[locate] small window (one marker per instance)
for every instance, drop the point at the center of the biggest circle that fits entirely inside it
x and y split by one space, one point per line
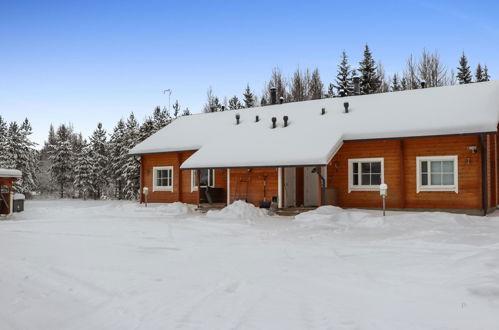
163 178
206 176
437 173
365 174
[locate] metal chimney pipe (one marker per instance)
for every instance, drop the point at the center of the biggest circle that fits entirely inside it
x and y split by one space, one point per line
273 95
323 111
346 105
423 84
237 119
257 119
285 118
274 120
356 85
281 100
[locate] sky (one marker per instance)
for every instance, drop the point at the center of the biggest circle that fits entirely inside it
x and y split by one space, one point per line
85 62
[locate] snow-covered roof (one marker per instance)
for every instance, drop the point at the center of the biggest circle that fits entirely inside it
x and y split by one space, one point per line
312 138
8 173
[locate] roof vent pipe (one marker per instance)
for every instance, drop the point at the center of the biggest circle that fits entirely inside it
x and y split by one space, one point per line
285 118
257 119
281 100
273 95
274 120
423 84
323 111
356 85
223 107
237 119
346 105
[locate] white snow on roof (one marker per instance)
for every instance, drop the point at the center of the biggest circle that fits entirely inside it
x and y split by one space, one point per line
7 173
312 138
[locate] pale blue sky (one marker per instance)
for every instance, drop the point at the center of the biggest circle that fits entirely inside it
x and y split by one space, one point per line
89 61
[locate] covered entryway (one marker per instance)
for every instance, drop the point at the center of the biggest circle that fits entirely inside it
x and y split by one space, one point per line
310 187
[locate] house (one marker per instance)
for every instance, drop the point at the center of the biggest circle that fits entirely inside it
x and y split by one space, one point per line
435 148
7 177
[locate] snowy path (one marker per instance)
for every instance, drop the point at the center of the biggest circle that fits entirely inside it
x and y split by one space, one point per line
117 265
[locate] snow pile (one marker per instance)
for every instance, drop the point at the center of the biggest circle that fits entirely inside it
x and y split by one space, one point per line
19 197
238 210
337 217
177 208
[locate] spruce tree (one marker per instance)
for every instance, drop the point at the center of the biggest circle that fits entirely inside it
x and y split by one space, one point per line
83 171
299 87
486 76
61 159
463 71
344 83
234 103
131 170
176 109
119 155
369 80
100 160
4 143
395 86
479 73
249 97
161 118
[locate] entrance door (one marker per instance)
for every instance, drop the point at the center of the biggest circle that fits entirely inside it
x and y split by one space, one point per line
310 187
289 187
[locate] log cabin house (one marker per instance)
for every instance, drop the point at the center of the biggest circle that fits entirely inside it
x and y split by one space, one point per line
7 177
435 148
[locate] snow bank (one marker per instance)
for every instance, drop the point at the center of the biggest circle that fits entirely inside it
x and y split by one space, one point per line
335 216
177 208
238 210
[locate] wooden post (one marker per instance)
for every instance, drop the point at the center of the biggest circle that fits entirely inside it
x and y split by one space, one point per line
198 174
483 144
279 187
401 173
228 186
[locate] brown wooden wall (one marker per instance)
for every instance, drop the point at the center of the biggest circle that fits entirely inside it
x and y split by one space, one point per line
241 178
6 182
400 173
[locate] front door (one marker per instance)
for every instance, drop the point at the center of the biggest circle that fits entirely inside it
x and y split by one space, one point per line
310 187
289 187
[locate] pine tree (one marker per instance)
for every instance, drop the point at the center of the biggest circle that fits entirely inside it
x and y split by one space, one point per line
186 112
369 80
212 102
463 71
234 103
344 83
330 90
263 101
249 97
486 76
83 171
99 147
27 160
479 73
395 87
146 129
316 88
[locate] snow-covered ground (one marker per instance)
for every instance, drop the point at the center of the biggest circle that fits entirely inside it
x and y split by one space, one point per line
118 265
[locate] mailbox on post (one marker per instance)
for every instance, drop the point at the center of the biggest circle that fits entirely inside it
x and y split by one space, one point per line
383 191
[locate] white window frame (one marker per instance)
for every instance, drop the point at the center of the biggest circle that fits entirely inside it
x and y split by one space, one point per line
194 174
420 187
154 177
359 187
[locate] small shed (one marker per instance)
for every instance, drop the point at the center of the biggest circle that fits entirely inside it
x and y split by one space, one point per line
7 177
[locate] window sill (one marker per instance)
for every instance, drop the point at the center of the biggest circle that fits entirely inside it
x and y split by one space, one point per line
162 189
363 188
441 189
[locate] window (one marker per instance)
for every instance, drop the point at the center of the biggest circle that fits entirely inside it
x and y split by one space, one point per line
206 176
163 178
437 173
365 174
